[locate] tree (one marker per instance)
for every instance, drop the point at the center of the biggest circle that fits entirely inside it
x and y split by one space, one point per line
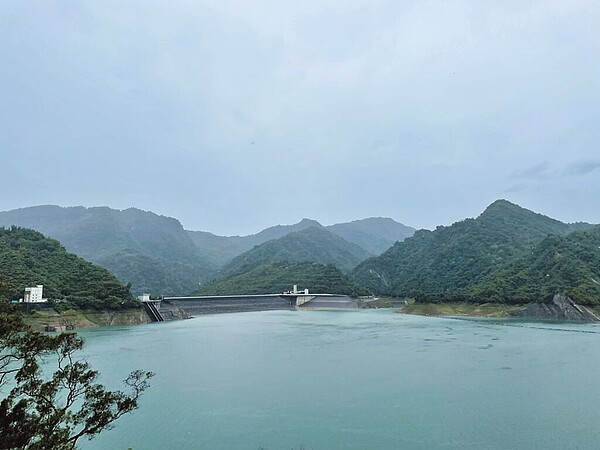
43 410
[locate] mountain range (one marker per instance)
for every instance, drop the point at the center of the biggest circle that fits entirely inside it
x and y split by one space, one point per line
506 254
156 254
374 235
153 253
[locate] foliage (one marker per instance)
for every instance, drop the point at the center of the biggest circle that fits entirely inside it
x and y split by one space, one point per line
441 265
41 409
153 253
274 277
27 258
559 264
311 244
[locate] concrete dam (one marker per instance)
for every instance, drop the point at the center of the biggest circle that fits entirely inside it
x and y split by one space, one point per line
172 308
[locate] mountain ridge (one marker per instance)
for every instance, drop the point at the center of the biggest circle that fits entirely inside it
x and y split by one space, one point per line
312 244
155 253
373 234
435 265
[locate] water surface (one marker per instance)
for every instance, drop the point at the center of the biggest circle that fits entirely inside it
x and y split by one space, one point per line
353 380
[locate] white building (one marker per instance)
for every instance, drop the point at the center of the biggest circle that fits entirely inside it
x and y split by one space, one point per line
34 294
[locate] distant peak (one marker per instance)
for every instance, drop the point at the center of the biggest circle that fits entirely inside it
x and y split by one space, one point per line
502 203
504 208
310 223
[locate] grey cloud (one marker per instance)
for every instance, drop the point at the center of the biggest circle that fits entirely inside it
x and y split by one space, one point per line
417 110
539 171
581 168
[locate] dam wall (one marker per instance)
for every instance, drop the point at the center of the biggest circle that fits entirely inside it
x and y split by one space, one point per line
176 308
179 308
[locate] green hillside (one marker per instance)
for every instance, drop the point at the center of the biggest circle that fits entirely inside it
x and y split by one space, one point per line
27 258
559 264
311 244
375 234
222 249
438 265
153 253
274 277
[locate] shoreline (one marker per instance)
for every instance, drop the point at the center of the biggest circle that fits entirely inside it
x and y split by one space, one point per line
53 321
72 320
491 310
560 308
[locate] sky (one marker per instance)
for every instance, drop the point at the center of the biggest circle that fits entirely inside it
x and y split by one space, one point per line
234 115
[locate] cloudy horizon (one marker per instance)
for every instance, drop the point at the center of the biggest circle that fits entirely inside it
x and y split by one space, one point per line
233 117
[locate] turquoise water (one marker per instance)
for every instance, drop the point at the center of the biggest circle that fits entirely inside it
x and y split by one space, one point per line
353 380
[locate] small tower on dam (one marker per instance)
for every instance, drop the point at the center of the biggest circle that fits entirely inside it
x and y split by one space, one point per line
322 301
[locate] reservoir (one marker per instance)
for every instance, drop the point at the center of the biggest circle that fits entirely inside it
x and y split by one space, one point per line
362 379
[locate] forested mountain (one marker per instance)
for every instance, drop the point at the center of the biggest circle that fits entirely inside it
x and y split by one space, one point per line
222 249
375 234
27 258
438 265
314 244
279 276
557 265
153 253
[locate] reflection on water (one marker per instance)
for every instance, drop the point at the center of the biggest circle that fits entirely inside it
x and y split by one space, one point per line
354 380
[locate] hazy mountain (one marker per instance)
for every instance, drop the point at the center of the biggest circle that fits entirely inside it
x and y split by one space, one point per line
436 265
27 258
279 231
222 249
557 265
312 244
153 253
375 234
279 276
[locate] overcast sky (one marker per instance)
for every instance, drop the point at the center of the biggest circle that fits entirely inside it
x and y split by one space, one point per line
234 115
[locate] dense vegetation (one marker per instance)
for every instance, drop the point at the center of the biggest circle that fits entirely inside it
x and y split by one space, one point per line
275 277
440 265
311 244
559 264
153 253
28 258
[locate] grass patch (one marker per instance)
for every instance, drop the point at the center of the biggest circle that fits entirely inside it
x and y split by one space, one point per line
461 309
